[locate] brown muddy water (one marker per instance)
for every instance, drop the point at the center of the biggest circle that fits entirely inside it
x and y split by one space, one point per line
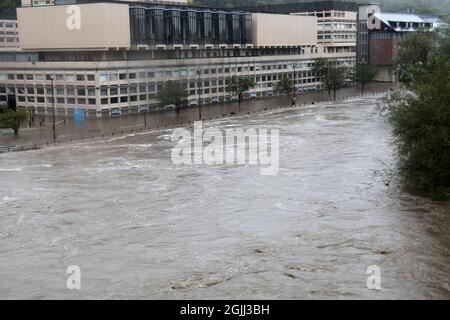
142 227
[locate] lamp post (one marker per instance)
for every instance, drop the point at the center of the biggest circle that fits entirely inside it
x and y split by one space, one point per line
145 119
295 81
199 88
53 109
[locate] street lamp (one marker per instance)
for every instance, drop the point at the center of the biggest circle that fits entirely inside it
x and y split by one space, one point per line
295 81
53 112
199 88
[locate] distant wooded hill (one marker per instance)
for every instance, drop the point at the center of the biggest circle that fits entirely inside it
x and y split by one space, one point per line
440 7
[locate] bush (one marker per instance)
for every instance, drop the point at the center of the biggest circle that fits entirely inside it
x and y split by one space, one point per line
420 116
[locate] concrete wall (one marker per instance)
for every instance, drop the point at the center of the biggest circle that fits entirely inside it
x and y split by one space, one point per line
275 30
103 25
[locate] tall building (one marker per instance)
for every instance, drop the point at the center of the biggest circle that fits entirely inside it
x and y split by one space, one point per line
9 35
364 12
385 38
336 22
112 58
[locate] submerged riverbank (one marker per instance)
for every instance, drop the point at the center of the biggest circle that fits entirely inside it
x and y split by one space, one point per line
40 134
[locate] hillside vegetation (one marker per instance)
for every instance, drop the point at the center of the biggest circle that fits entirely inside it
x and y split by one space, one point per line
440 7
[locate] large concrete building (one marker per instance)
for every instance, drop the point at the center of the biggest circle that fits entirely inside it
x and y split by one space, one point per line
109 58
9 35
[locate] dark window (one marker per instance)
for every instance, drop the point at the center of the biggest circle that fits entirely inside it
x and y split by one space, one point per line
189 24
155 26
234 30
137 25
220 28
205 24
246 28
172 21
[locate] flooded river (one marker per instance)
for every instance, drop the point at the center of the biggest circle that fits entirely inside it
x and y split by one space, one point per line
139 226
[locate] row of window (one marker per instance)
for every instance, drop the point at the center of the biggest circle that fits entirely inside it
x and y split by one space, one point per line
338 26
9 40
385 35
142 88
183 73
47 77
173 26
162 73
326 14
8 24
8 33
65 101
126 99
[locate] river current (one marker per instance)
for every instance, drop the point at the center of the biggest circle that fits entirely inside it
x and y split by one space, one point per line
140 226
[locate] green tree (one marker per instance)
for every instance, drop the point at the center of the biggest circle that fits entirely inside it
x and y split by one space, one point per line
335 78
420 6
284 85
413 57
8 9
420 115
320 68
12 120
239 85
364 74
172 93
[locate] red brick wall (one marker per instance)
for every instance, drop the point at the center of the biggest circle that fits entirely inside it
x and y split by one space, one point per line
383 51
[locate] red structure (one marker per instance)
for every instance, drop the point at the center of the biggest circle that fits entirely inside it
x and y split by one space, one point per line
383 49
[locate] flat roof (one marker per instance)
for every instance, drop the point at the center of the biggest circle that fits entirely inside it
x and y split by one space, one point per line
398 17
142 4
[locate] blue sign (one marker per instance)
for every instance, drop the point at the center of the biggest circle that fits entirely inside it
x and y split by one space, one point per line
78 116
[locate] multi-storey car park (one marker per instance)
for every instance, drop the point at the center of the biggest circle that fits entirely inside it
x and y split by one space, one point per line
124 52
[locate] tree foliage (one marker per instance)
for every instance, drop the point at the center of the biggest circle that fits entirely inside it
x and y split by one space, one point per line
320 68
12 120
413 58
420 6
172 93
335 78
240 85
420 115
285 85
442 7
364 74
8 9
